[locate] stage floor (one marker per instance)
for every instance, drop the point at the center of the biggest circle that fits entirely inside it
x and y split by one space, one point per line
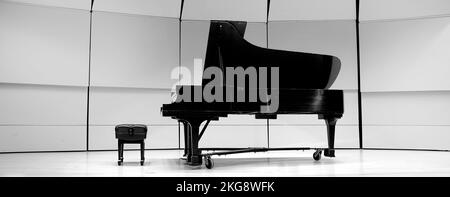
279 163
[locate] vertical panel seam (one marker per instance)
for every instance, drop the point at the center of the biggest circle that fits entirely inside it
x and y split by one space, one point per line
359 76
267 46
179 64
89 77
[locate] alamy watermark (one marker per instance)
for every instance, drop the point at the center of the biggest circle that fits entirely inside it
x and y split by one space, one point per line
213 91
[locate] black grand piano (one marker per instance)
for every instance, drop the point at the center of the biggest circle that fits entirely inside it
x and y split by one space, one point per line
303 80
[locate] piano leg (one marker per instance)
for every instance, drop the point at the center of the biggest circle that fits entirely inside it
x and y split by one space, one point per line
331 127
186 138
189 141
195 157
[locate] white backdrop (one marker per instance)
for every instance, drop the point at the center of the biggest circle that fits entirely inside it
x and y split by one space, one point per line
135 44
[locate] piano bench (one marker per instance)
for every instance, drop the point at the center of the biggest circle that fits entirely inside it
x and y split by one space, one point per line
130 134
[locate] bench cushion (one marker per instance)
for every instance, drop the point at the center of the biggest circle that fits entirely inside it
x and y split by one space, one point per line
131 132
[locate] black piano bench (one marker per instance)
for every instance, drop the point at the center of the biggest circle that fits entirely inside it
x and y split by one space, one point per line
131 134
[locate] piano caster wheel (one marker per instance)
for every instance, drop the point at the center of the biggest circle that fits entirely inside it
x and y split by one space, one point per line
142 162
317 155
209 163
119 162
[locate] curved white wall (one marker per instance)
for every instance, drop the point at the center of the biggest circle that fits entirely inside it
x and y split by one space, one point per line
135 46
44 64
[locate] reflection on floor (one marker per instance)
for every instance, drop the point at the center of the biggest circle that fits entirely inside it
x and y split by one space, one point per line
285 163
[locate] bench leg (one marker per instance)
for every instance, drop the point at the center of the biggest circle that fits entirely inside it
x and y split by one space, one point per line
142 152
120 152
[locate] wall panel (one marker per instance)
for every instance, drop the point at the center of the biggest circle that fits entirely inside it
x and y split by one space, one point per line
402 9
42 105
409 55
249 10
43 45
133 51
42 138
282 10
164 8
103 138
112 106
406 108
404 69
76 4
407 137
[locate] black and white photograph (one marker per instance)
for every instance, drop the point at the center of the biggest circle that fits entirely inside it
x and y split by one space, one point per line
235 94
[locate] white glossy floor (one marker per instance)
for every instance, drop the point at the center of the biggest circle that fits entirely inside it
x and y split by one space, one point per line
289 163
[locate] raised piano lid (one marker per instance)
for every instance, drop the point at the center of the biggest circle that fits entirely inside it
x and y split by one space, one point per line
228 48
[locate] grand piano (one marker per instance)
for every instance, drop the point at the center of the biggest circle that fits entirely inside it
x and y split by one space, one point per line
303 81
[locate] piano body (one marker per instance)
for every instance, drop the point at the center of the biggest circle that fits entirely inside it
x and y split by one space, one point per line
304 79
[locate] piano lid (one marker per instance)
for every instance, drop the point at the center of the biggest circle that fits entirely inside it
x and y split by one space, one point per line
300 70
